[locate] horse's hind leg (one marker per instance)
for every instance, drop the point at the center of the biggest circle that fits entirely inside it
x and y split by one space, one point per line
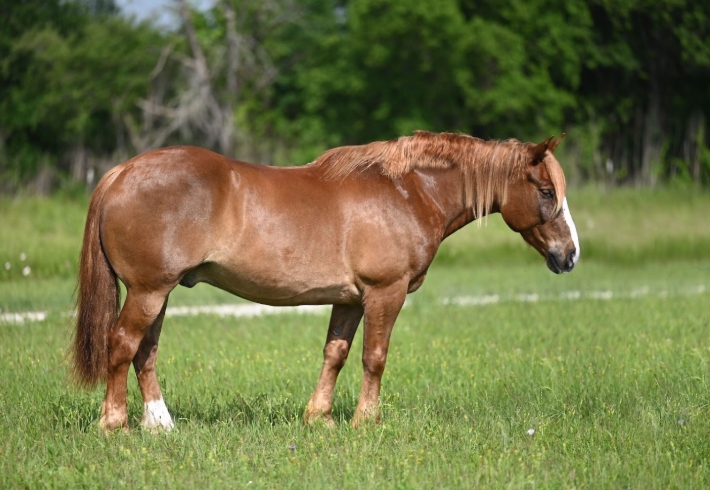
139 312
155 413
344 321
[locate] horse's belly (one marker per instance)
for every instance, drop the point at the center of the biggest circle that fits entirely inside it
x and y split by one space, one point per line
276 288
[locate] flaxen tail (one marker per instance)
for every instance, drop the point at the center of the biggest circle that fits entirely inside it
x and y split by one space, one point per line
98 297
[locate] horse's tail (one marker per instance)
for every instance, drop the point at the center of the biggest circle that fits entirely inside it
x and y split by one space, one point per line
98 297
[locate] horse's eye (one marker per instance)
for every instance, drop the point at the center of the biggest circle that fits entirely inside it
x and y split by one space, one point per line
547 193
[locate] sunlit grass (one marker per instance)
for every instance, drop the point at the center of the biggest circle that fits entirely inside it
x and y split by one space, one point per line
41 233
616 392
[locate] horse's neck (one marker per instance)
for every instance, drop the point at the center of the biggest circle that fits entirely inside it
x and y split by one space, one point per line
445 190
445 187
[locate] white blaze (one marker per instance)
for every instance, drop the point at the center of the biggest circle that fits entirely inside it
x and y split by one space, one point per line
572 229
156 415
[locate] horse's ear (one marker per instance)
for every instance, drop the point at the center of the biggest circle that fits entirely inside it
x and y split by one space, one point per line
538 151
554 144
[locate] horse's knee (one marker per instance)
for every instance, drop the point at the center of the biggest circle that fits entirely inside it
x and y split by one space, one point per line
336 353
373 361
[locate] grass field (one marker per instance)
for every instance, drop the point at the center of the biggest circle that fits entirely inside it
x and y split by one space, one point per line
609 367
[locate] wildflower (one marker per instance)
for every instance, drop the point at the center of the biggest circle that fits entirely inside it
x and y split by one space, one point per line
23 256
292 447
7 266
26 270
531 432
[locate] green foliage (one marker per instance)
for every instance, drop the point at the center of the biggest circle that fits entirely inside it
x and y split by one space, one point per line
69 80
643 81
396 66
625 79
79 82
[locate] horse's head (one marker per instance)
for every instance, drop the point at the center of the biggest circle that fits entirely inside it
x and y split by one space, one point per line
536 207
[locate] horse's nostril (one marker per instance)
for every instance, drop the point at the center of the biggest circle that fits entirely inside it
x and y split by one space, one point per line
570 258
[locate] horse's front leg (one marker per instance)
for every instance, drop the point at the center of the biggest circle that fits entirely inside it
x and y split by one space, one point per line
382 305
344 321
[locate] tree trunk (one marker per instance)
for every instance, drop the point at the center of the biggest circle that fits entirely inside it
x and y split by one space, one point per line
652 136
694 143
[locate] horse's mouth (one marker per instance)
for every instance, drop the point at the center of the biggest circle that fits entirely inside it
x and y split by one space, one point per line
552 264
555 266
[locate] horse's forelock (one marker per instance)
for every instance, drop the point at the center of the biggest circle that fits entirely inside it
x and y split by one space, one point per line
557 176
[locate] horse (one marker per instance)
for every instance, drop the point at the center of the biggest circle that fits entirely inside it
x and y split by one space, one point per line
357 229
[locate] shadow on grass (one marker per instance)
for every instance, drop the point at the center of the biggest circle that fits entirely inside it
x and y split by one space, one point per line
238 410
255 410
79 412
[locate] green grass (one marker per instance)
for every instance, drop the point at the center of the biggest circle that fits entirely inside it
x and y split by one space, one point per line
615 389
47 231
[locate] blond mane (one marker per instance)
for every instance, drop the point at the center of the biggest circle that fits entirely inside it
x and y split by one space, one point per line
486 166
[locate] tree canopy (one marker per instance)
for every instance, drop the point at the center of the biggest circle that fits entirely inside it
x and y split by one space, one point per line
82 87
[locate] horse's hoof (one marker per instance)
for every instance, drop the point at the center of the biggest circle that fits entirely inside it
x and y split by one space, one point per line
108 429
318 419
368 418
158 428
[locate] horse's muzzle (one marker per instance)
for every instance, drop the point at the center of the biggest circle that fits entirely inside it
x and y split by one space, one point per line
559 263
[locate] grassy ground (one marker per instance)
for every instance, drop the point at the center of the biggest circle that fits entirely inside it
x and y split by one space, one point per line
608 365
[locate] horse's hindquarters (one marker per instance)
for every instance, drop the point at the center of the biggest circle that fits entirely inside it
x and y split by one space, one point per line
162 215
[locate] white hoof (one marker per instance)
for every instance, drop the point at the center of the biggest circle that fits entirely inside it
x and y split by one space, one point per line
156 416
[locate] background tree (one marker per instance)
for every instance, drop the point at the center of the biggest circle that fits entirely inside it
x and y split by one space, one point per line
69 72
279 81
643 85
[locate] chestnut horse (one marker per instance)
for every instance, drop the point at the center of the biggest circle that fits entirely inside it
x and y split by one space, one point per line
357 228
